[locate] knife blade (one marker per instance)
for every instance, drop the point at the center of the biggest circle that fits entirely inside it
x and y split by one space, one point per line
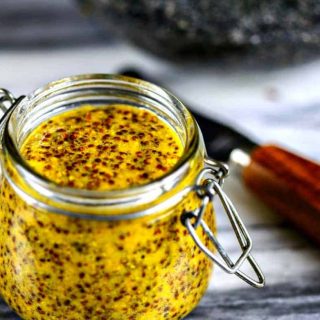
286 182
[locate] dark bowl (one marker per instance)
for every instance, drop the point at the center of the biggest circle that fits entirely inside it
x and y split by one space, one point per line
188 29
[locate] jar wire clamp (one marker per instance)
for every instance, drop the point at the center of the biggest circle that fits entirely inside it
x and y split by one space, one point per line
6 100
208 185
7 105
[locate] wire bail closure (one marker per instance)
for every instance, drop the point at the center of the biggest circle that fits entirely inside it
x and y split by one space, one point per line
7 104
6 100
209 184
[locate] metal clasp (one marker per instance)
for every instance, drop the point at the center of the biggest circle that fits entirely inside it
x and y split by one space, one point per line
6 100
209 184
7 105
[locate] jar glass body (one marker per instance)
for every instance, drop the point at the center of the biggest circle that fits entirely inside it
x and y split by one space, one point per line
70 254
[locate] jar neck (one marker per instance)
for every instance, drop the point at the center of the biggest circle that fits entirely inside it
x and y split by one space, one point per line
100 89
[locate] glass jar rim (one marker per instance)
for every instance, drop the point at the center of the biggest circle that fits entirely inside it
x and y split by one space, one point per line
111 197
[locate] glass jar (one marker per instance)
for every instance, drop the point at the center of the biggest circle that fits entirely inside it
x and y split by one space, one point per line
145 252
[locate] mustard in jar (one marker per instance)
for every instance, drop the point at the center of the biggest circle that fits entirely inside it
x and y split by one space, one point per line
98 176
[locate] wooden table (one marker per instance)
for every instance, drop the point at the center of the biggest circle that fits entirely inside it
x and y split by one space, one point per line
50 40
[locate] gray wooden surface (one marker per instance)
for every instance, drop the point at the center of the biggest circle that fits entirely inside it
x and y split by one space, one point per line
42 40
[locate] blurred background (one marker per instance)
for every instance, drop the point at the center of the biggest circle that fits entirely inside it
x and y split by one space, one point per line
254 65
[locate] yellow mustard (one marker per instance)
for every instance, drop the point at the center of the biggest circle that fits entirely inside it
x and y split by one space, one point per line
55 267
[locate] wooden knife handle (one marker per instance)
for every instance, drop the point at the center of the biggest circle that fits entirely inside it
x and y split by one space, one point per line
288 183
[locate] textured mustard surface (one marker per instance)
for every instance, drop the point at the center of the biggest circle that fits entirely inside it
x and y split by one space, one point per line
53 267
103 148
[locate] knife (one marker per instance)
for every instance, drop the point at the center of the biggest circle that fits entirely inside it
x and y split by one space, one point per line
286 182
